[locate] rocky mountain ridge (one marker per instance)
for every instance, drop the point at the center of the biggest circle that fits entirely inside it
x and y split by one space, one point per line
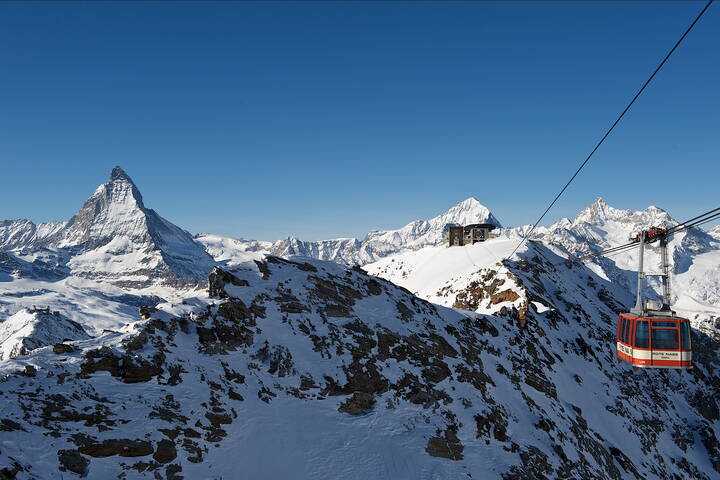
373 382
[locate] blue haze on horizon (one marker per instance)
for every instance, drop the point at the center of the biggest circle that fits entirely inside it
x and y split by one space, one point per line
322 120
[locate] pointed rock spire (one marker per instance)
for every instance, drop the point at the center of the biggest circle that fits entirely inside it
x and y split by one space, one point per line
118 173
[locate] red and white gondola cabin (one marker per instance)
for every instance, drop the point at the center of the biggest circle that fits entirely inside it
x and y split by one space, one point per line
661 341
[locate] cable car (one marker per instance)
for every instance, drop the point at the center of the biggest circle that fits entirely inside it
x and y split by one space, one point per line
651 335
654 340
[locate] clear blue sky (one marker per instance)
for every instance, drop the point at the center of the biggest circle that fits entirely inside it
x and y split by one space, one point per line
330 119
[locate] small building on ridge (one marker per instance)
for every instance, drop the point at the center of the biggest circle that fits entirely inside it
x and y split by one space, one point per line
457 236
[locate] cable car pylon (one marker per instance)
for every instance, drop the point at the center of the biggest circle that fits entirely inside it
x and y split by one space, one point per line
651 335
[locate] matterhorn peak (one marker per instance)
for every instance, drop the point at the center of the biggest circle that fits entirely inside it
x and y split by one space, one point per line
115 221
122 189
118 174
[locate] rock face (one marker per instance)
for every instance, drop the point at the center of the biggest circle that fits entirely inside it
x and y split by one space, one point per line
115 238
29 329
305 369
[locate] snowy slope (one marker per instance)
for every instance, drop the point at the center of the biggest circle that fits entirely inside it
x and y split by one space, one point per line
438 274
312 371
30 329
95 306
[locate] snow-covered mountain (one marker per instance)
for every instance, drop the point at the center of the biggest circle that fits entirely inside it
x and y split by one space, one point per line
350 251
715 232
20 233
421 233
449 275
30 329
308 370
114 238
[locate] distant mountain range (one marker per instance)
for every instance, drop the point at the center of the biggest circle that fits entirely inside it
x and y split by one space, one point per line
351 251
114 238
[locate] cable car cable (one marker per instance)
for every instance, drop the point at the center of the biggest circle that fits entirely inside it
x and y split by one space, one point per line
612 127
701 221
691 220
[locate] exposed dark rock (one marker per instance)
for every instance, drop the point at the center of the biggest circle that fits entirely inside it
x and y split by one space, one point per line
129 369
263 268
72 461
504 296
405 313
165 451
135 342
447 446
359 402
146 312
436 372
236 311
706 405
62 348
121 447
493 423
7 425
218 278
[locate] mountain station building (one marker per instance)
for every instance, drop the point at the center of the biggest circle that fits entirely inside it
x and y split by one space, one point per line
457 236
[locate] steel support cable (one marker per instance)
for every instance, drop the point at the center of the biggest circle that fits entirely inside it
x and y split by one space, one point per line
607 250
622 251
612 127
697 223
699 217
706 221
604 253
